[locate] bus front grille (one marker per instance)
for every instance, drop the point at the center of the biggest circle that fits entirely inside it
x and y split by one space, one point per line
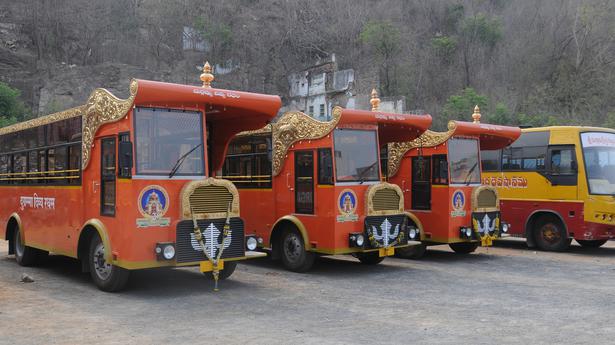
211 199
485 198
386 200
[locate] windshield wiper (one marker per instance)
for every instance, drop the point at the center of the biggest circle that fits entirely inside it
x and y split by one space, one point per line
181 160
364 172
470 173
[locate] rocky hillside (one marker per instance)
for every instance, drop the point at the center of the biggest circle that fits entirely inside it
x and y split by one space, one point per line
523 61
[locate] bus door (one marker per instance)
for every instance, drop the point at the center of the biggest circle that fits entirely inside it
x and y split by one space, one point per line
562 170
107 177
421 183
304 182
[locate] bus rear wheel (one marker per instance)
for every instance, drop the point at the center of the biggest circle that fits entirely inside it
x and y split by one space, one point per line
550 235
369 258
24 255
464 247
105 275
411 252
295 257
591 243
229 268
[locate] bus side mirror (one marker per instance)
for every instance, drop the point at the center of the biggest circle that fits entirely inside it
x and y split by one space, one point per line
125 158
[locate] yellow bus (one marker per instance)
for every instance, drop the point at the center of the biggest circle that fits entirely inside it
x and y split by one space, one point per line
556 184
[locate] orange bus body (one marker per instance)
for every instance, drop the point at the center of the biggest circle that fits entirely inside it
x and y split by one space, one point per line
61 218
448 207
327 214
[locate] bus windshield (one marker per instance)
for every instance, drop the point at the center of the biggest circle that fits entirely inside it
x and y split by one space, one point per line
464 163
356 155
599 154
165 135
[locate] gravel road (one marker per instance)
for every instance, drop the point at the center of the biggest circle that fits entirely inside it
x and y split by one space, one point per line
504 294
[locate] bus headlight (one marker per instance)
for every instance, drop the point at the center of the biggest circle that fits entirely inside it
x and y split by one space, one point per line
466 232
165 251
251 243
413 233
505 227
356 239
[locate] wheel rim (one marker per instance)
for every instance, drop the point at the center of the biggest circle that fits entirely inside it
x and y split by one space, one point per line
19 245
101 266
292 248
550 233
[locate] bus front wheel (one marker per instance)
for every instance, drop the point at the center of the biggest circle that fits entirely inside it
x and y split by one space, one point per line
229 268
591 243
550 235
464 247
294 254
24 255
105 275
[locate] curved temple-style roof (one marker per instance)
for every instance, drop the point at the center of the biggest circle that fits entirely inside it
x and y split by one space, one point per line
492 137
391 127
223 109
295 126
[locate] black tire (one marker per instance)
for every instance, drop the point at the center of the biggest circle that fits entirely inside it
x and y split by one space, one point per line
106 276
24 255
550 235
294 255
369 258
229 268
411 252
464 247
591 243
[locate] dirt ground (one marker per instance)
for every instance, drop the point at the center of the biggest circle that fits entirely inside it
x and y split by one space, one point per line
505 294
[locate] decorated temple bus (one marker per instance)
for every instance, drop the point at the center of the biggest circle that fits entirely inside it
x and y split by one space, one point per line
557 184
314 188
439 174
124 184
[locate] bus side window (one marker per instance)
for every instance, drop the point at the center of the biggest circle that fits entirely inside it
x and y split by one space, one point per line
4 169
325 166
562 161
562 166
440 169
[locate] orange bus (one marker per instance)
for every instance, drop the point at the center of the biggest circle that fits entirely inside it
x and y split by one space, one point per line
439 174
557 184
121 184
314 188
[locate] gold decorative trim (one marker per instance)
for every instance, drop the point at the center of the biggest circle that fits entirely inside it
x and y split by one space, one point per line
371 191
475 194
397 151
295 126
101 108
264 130
190 187
43 120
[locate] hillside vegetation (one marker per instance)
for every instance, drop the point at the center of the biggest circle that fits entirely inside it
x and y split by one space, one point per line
523 62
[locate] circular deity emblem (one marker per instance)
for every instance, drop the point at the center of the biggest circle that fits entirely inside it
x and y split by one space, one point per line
347 202
459 200
153 202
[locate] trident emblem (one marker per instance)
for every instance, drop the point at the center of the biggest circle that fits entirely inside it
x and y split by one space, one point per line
386 236
486 228
210 237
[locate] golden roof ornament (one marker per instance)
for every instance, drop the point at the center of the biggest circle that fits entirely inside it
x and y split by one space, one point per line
375 101
207 77
476 115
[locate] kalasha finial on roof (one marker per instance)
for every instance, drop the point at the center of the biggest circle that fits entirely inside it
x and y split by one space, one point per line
207 77
476 115
375 101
